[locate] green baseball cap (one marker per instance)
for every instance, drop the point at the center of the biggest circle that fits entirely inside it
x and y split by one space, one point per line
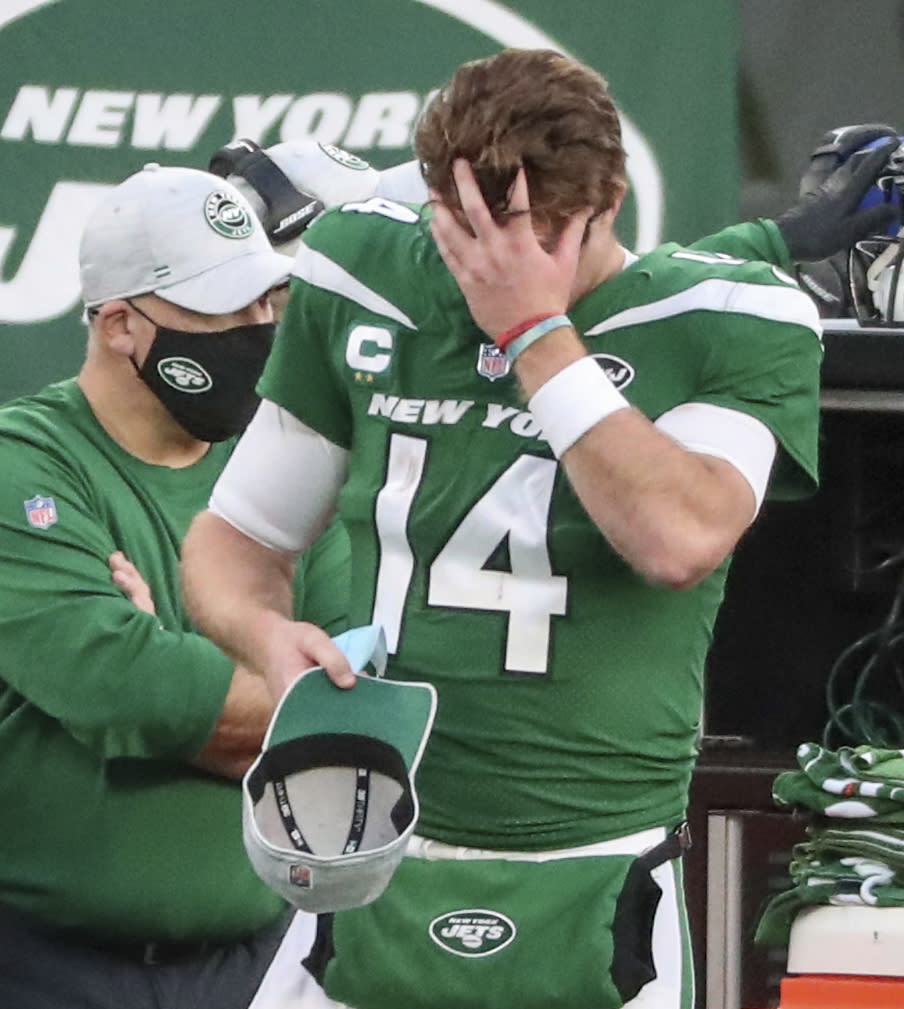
330 803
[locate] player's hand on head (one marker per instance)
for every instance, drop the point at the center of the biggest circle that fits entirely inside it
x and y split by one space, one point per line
129 579
502 268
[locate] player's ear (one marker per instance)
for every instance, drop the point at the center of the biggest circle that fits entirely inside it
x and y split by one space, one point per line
114 325
607 217
618 199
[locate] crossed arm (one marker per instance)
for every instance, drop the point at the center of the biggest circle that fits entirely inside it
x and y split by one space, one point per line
239 730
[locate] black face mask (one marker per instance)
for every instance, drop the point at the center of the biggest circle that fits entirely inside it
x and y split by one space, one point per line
206 380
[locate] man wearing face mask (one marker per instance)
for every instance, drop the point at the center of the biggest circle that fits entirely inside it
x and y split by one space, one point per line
123 879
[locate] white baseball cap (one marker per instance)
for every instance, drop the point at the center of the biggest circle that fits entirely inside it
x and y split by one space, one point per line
183 234
329 805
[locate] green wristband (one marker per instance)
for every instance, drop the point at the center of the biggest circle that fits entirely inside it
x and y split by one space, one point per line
522 342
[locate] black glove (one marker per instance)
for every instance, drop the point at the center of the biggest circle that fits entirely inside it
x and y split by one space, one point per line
835 147
827 220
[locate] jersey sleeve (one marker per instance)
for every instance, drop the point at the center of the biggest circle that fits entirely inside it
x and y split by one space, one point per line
299 374
323 581
752 340
766 354
350 288
760 239
73 645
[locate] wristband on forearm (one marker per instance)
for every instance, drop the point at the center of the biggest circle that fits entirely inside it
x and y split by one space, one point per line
520 343
572 402
511 334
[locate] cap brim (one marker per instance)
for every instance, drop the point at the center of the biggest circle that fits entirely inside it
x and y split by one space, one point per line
230 286
400 714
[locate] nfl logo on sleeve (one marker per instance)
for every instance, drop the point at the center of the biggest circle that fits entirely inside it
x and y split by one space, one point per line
41 512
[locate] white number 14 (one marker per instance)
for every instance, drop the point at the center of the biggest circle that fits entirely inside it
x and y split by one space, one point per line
514 509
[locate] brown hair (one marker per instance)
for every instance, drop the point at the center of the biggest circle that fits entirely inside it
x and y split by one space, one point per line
533 107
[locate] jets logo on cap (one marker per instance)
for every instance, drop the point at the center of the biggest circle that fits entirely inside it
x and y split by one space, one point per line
472 932
344 157
226 217
184 374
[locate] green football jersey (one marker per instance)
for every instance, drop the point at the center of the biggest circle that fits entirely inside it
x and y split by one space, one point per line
105 826
570 689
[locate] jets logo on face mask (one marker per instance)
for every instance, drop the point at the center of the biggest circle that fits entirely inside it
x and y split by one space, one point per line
226 217
184 374
472 932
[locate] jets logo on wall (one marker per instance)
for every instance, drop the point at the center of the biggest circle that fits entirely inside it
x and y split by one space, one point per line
72 133
226 217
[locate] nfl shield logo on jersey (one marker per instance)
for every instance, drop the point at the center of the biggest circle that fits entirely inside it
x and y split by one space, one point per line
492 362
41 512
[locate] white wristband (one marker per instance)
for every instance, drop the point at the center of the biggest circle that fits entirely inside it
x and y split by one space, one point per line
572 401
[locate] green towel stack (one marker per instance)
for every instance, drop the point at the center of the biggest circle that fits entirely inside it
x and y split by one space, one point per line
855 852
